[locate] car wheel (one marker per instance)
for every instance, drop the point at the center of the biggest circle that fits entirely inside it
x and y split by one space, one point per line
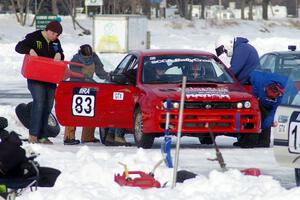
141 140
297 175
23 113
3 123
103 134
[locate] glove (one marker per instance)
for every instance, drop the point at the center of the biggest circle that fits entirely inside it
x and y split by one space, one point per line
32 52
57 57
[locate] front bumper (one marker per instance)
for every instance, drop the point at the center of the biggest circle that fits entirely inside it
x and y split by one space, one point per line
227 121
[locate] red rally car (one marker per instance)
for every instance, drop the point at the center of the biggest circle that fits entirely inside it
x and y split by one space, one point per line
135 99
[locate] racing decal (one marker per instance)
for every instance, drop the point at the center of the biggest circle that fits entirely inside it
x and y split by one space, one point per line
294 131
281 128
220 93
119 96
174 60
282 119
83 102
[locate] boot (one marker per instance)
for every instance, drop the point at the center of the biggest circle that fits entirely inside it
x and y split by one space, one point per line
88 135
264 138
120 141
32 139
109 140
69 136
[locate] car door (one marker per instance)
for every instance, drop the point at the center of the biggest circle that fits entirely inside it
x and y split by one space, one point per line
286 134
96 104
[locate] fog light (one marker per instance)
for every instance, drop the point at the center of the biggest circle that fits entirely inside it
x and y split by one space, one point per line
247 104
165 104
239 105
176 105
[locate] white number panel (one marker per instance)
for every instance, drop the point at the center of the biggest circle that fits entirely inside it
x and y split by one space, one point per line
294 131
83 102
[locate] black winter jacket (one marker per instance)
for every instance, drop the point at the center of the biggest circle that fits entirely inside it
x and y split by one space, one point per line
39 44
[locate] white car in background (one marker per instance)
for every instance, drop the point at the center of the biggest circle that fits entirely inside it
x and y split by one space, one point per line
286 132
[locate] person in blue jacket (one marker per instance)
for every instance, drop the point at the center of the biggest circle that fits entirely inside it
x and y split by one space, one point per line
271 89
244 56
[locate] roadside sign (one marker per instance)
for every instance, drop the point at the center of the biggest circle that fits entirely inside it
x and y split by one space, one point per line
93 2
41 21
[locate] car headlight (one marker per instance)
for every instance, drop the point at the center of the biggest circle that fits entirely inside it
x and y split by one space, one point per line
239 105
176 105
247 104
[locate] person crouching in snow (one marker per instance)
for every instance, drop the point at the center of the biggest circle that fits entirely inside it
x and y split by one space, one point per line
93 65
41 43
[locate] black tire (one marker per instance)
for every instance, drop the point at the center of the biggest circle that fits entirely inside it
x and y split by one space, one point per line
297 176
103 134
23 113
141 140
3 123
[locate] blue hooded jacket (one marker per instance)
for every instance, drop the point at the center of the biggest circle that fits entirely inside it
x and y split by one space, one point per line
244 59
259 80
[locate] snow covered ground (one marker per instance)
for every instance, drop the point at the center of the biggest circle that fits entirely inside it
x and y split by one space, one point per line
88 171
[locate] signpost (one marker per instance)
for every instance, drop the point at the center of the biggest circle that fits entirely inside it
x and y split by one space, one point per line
41 21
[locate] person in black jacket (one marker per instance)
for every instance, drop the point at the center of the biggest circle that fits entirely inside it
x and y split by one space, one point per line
41 43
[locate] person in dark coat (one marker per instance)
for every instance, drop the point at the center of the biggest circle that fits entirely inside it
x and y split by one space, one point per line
92 64
41 43
271 89
244 56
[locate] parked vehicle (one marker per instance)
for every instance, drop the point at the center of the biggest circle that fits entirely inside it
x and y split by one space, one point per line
283 62
286 136
141 84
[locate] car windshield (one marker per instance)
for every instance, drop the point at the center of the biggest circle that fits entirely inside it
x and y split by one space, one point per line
171 68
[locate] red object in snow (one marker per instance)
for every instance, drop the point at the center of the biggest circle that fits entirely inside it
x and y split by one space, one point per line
47 70
251 172
144 180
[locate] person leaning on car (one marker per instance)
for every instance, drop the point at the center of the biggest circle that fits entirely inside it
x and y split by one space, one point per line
244 57
244 60
41 43
92 64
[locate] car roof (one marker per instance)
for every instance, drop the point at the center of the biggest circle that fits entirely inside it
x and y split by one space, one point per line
155 52
284 52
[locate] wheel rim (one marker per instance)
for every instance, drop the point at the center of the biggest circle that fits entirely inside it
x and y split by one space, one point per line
138 127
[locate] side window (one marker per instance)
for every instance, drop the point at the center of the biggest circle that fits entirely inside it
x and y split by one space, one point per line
123 64
269 64
131 71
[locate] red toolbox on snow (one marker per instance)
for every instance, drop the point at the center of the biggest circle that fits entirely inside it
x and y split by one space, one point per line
47 70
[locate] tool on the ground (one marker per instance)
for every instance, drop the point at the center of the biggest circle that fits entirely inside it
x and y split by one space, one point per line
138 178
167 142
220 159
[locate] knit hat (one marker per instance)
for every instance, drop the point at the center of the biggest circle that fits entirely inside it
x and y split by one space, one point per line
54 26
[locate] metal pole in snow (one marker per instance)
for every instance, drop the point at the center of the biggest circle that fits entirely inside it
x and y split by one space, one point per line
179 131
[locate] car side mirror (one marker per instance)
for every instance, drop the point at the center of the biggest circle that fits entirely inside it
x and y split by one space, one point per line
118 78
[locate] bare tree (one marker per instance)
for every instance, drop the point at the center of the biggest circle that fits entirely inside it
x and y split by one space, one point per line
54 7
265 4
250 15
69 5
21 9
243 4
203 4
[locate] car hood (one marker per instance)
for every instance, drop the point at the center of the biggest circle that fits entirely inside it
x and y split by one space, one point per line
200 92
